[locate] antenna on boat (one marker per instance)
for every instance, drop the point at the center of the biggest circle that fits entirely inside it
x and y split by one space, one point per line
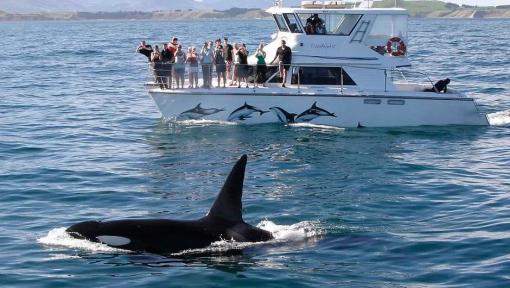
278 3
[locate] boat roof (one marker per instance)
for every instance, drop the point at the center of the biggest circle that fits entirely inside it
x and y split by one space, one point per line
385 11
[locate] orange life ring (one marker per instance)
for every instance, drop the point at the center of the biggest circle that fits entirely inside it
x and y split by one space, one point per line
396 47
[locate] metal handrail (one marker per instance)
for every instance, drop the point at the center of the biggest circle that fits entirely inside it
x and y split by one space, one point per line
169 67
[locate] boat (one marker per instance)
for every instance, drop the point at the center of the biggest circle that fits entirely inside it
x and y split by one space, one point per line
354 72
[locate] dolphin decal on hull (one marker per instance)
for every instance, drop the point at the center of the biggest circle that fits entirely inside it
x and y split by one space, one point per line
198 112
282 115
244 112
312 113
163 236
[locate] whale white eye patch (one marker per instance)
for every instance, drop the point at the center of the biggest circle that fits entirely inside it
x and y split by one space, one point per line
113 240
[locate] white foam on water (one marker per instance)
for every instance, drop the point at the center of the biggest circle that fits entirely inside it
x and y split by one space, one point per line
296 232
317 127
281 233
62 257
204 122
59 237
501 118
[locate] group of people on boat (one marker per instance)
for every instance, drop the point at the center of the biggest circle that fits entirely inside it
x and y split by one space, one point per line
230 62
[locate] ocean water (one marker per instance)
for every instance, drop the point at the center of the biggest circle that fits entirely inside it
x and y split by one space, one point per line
81 140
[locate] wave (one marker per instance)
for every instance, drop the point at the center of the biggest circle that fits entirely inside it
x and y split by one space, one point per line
317 127
282 233
501 118
201 123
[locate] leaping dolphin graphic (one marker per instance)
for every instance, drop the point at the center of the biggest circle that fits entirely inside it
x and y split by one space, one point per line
198 112
284 116
244 112
162 236
312 113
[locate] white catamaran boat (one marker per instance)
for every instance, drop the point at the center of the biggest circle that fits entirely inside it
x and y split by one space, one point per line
349 69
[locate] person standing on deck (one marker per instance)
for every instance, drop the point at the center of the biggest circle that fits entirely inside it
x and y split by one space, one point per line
284 55
145 49
206 56
261 65
167 60
228 53
219 61
156 66
192 60
179 66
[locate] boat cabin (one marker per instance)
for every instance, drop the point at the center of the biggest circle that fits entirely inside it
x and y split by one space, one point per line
352 44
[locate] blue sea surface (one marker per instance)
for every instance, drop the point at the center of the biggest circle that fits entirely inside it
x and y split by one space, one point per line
80 139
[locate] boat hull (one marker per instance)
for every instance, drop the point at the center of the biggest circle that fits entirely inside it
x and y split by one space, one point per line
330 109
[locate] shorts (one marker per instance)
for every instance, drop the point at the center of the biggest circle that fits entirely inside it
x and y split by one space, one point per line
193 69
220 68
242 71
179 71
286 67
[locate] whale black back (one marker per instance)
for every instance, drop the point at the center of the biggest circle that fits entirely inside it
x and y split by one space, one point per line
162 236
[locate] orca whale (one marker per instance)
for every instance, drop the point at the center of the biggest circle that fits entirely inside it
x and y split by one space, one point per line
162 236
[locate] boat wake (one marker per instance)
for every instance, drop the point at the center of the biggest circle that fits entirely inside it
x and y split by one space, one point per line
501 118
301 231
317 127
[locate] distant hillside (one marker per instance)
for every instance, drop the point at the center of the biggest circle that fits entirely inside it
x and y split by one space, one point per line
38 6
440 9
234 13
425 9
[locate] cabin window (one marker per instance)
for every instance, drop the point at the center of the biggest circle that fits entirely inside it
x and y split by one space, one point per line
329 23
384 28
321 76
280 22
293 23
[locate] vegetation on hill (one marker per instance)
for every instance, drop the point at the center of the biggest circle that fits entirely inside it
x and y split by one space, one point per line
440 9
423 8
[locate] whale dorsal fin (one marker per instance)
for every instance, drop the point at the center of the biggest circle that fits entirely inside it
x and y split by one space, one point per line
198 106
227 205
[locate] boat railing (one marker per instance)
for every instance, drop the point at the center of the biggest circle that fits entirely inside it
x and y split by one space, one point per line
172 76
410 76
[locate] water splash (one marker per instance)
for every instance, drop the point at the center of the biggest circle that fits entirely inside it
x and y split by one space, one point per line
60 238
501 118
203 123
282 233
317 127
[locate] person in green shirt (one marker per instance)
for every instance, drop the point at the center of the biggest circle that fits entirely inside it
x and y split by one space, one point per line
261 65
